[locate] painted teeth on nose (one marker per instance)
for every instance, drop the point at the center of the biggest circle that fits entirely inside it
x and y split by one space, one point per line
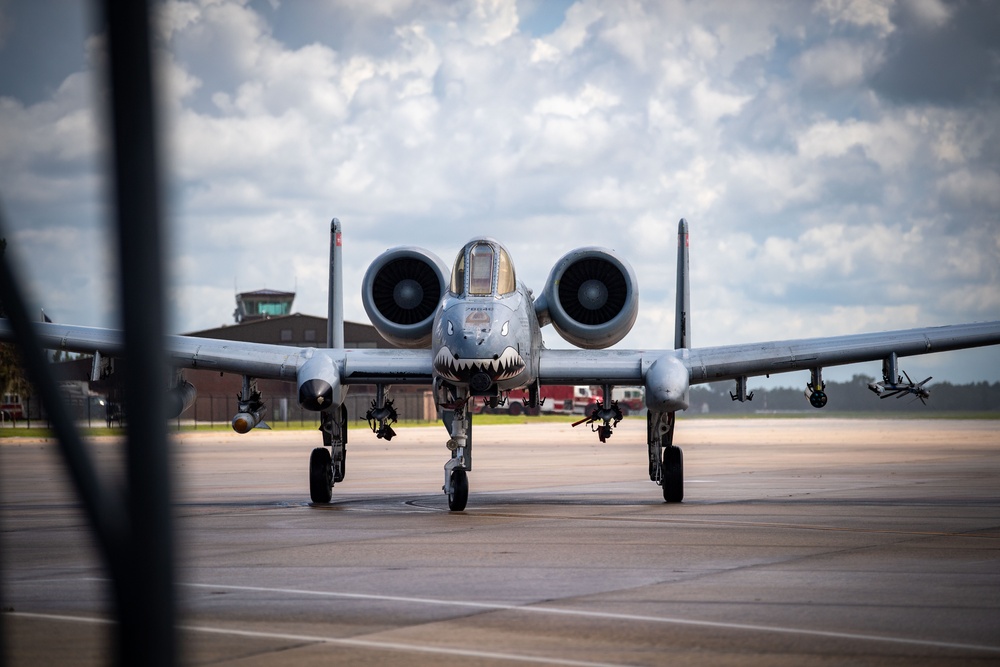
501 367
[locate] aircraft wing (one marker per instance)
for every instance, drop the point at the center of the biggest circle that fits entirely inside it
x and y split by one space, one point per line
259 360
733 361
728 362
623 367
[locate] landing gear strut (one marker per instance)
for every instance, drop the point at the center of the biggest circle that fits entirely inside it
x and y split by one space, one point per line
459 422
666 462
329 466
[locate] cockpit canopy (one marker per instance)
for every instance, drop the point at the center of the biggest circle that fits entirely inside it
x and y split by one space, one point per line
483 268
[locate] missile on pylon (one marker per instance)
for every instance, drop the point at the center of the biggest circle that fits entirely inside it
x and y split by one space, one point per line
244 421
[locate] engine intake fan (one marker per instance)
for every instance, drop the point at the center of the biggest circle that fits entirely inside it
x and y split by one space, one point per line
591 298
400 292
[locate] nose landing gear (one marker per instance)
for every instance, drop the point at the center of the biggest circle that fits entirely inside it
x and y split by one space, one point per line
459 422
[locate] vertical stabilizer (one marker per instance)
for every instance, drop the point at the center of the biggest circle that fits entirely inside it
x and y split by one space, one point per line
682 320
335 293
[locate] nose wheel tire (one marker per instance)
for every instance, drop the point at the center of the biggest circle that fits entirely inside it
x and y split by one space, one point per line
320 475
459 495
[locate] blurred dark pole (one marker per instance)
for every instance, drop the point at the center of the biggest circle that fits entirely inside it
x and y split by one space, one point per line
145 589
102 506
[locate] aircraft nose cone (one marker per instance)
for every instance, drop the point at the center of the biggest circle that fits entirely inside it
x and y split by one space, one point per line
315 395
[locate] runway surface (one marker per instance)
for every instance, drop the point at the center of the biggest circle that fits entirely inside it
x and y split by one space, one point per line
800 542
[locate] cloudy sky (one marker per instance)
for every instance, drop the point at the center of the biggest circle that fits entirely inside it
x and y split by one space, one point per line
838 161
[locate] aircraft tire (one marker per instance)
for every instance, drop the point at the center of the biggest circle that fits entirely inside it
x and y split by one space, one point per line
459 496
320 476
673 475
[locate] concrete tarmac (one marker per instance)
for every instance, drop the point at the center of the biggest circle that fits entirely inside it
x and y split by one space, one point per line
800 542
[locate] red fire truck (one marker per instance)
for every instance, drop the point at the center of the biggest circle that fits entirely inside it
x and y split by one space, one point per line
630 399
556 399
11 409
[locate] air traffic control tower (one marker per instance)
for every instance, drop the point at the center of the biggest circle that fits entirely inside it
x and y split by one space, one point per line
262 304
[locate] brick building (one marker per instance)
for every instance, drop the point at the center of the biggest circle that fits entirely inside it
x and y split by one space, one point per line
217 391
262 317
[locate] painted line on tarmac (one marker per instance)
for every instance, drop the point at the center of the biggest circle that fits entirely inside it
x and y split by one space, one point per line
497 514
603 615
558 611
339 641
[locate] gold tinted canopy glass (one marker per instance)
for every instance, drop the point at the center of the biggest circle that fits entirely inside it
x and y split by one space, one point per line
481 270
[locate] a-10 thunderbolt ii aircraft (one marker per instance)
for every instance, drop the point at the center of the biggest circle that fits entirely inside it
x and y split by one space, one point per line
474 333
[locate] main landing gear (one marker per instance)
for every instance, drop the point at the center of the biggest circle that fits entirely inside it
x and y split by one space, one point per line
666 462
320 475
328 464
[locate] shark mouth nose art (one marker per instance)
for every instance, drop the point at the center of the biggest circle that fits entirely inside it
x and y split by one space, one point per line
499 367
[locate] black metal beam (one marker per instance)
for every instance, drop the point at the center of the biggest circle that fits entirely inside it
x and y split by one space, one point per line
134 531
104 509
144 589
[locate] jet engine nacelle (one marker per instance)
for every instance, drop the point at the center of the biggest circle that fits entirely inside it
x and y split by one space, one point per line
401 290
591 298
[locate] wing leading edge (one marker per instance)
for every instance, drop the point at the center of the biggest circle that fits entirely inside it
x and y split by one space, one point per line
734 361
729 362
260 360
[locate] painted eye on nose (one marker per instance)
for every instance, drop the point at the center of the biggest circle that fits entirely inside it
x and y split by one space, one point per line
451 329
505 328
